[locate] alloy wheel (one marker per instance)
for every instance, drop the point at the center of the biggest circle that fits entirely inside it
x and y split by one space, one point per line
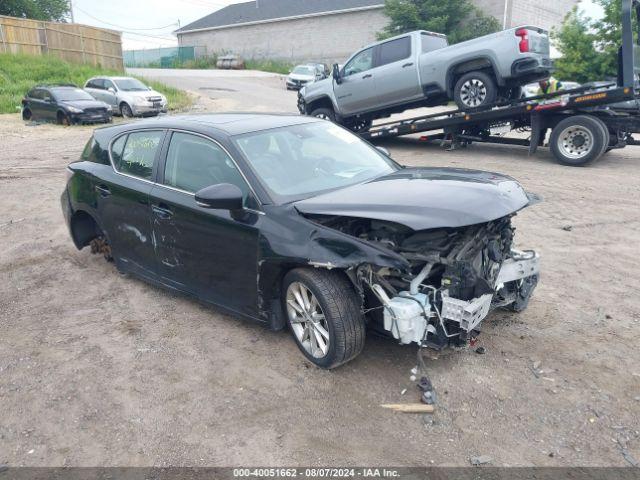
307 320
473 92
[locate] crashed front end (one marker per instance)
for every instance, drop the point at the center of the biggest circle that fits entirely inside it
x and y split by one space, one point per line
454 278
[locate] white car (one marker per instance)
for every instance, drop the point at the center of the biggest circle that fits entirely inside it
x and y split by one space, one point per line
127 96
305 74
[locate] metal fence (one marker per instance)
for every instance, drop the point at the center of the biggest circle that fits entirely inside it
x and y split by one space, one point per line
170 57
69 41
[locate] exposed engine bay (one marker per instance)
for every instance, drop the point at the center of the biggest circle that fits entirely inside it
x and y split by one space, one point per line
458 275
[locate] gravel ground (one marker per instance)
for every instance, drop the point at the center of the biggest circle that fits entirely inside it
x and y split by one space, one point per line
99 369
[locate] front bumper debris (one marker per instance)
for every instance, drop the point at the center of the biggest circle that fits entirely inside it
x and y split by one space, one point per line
412 318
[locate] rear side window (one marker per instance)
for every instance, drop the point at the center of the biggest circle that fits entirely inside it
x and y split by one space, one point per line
394 51
431 43
135 153
96 83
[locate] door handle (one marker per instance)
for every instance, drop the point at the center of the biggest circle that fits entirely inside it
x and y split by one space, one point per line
103 190
368 75
162 211
407 65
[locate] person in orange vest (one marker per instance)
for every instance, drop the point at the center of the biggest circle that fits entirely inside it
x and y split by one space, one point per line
548 86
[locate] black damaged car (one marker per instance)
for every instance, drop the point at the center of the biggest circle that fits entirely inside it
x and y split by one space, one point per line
65 105
295 221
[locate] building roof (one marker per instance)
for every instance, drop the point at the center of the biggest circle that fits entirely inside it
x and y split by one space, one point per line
274 10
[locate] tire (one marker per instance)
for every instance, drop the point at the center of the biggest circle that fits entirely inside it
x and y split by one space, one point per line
26 114
125 110
475 90
324 113
339 315
63 119
579 140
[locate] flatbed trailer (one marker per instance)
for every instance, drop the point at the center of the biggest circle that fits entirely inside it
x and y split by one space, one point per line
584 122
583 125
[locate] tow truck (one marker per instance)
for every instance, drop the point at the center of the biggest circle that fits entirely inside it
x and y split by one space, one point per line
584 122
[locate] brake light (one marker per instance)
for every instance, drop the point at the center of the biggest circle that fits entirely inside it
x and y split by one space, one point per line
524 39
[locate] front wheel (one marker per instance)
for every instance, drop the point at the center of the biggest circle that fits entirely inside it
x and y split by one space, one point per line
324 113
125 110
475 90
324 315
63 119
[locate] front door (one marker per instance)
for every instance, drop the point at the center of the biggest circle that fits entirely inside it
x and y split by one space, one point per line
356 92
199 250
123 200
396 72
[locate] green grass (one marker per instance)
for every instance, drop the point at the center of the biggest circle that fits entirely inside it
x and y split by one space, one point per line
19 73
275 66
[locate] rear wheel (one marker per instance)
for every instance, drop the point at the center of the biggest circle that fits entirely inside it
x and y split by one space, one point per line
324 315
475 90
579 140
26 115
324 113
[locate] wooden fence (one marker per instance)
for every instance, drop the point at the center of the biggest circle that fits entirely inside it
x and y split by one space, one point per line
69 41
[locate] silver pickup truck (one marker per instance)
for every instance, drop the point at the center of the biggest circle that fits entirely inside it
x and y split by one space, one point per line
420 69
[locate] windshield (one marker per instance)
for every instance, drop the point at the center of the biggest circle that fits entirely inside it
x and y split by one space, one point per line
300 161
303 70
70 94
131 85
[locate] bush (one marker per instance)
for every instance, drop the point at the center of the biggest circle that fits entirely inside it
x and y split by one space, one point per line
275 66
19 73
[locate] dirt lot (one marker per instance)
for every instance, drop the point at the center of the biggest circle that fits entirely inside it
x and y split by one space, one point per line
98 369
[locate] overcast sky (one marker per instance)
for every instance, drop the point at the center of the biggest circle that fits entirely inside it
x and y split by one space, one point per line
149 23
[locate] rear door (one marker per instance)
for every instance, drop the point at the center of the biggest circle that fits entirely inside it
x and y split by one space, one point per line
96 89
396 72
122 194
200 250
357 91
36 104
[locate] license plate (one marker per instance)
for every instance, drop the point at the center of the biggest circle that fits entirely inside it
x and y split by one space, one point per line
157 105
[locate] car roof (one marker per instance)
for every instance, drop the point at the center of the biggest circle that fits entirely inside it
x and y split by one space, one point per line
229 123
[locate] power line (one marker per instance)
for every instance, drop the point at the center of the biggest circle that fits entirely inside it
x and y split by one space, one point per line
121 27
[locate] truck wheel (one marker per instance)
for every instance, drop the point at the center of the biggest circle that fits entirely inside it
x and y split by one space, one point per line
324 113
579 140
324 315
475 90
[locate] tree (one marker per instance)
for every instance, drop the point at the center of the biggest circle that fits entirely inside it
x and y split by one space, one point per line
575 40
53 10
609 35
458 19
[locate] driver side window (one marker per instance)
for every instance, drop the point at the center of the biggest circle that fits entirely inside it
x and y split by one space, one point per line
360 63
194 162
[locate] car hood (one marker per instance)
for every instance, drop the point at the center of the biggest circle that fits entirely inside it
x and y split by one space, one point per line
141 93
82 104
425 198
304 78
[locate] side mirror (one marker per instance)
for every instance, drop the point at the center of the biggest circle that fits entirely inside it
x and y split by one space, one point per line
384 151
336 74
111 89
223 196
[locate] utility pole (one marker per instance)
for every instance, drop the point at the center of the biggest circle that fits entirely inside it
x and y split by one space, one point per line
71 11
505 16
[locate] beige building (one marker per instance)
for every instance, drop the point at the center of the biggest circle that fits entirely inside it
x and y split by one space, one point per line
328 30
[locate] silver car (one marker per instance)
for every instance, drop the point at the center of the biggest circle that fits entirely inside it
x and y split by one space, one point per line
127 96
305 74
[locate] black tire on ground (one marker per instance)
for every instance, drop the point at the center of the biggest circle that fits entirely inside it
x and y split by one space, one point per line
341 307
579 140
324 113
125 110
475 90
63 119
26 115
